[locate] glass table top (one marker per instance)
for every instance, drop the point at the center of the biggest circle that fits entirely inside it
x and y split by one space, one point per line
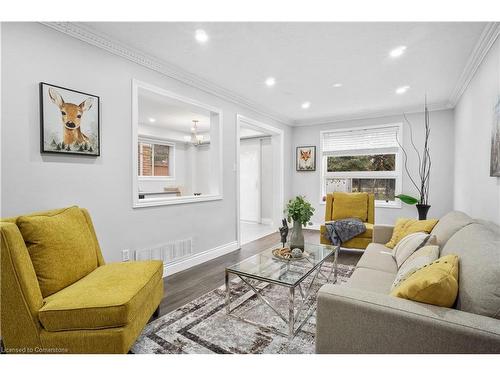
265 266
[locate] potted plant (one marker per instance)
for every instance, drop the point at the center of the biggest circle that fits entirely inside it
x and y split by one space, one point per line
300 212
424 169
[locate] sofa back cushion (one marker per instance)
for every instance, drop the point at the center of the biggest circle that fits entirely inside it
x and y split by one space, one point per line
450 224
478 248
348 205
61 247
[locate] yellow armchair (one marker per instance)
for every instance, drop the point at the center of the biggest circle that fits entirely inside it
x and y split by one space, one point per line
358 242
102 312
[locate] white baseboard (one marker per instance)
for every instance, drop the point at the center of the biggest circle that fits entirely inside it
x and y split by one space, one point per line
266 221
194 260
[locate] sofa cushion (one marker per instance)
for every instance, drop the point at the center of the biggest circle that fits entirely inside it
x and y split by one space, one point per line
61 247
110 296
378 257
449 224
347 205
405 227
408 245
371 280
434 284
418 259
478 247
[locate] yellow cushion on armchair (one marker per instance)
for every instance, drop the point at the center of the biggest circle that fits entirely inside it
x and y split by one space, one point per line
348 205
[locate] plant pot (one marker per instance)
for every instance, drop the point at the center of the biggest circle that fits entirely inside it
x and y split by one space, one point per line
297 237
423 209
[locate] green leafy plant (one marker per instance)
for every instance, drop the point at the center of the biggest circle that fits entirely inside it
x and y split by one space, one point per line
298 209
407 199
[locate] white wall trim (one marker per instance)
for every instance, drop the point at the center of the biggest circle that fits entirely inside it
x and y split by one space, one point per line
481 49
194 260
85 34
365 115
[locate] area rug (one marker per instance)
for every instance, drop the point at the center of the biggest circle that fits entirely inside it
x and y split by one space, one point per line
202 325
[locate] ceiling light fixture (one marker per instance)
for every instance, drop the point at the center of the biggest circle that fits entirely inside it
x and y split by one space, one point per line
151 119
402 89
398 51
270 81
337 85
195 139
306 105
201 35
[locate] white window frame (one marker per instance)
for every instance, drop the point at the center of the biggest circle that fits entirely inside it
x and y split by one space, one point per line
171 157
215 142
396 174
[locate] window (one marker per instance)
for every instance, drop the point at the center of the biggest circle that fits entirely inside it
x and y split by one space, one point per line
154 159
363 160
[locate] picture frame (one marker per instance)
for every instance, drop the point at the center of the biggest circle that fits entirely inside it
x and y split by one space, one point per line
69 121
305 159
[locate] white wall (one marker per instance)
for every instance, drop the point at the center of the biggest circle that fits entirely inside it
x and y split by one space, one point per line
30 181
476 193
441 148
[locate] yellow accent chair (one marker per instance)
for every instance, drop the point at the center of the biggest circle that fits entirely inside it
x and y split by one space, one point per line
361 205
63 298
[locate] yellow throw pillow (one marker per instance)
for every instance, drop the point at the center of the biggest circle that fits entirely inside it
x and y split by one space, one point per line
60 246
435 283
347 205
406 226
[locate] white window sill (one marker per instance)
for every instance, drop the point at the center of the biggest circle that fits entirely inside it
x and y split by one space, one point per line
150 202
156 178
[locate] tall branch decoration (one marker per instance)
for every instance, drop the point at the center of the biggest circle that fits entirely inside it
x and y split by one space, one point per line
421 183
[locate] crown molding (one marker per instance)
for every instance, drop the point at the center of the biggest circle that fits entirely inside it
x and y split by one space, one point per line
85 34
372 114
485 42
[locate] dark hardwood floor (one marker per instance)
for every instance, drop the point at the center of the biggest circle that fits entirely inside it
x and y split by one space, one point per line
187 285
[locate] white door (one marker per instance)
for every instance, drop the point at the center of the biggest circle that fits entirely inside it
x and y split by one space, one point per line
250 184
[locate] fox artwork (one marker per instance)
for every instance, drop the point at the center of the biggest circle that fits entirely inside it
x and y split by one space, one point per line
69 121
306 158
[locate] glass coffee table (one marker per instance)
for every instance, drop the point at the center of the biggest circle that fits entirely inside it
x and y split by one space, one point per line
292 274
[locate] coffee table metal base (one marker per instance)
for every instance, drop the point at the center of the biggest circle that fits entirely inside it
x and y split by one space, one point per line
291 320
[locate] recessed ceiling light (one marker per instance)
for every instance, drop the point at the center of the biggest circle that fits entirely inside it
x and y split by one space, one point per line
402 89
270 81
398 51
337 85
306 105
151 119
201 36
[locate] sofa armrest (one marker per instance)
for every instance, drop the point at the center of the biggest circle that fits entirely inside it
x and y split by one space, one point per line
382 233
351 320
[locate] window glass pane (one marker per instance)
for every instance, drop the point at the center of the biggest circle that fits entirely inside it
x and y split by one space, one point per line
362 163
383 188
161 166
145 159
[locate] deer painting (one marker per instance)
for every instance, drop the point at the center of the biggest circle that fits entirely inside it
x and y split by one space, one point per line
71 117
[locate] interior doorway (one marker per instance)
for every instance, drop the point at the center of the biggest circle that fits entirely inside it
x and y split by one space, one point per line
259 179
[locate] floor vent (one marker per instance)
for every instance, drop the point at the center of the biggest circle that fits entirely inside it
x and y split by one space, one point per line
168 252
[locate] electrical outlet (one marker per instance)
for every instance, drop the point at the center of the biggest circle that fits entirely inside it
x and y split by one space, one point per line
125 255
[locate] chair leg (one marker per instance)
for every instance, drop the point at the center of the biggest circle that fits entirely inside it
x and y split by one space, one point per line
2 348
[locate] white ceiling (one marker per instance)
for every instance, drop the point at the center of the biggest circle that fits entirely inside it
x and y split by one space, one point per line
171 114
307 58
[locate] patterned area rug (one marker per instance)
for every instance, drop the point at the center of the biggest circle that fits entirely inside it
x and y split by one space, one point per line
202 325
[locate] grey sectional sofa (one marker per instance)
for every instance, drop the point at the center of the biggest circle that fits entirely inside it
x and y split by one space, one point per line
361 317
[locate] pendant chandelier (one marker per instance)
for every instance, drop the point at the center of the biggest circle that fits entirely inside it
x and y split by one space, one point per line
195 138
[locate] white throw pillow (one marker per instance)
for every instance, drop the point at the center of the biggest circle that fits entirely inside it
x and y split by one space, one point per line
421 257
408 245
